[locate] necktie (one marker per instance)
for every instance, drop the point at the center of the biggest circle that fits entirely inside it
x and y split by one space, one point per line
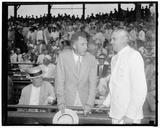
78 65
100 70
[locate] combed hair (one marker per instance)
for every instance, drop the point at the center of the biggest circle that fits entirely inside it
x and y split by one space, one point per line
123 30
76 35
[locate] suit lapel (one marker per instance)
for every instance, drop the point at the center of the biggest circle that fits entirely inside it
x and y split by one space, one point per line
83 67
41 95
73 65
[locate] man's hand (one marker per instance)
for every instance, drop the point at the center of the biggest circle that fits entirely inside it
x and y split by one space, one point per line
127 120
99 107
61 108
49 101
87 110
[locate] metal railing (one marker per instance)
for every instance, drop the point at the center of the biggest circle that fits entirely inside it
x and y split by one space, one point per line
53 107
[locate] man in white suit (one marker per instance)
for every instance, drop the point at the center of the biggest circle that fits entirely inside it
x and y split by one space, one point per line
127 85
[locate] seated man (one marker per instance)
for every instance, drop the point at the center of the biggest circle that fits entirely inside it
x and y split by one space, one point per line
39 92
48 68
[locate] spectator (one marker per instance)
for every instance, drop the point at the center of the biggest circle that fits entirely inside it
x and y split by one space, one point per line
48 68
102 66
13 57
41 56
25 59
39 92
19 55
40 34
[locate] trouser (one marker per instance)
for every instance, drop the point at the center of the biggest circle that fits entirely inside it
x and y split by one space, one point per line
116 121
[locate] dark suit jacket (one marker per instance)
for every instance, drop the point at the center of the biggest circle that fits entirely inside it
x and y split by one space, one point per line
104 71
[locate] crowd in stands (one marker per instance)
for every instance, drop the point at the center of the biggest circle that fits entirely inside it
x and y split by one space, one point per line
40 40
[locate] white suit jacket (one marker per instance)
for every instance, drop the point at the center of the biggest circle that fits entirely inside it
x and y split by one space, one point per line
127 85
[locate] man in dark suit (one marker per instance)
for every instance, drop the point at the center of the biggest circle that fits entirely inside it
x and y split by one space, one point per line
76 75
102 67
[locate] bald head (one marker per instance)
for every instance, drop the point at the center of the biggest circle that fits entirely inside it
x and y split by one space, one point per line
119 39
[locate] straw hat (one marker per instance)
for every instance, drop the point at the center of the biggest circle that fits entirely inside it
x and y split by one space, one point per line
35 72
69 117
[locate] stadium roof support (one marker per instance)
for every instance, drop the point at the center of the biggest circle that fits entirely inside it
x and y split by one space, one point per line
83 11
17 5
138 11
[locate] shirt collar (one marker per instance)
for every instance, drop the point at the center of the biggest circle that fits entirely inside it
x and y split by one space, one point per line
76 56
123 50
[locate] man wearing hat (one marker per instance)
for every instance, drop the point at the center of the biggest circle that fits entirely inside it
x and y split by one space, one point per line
75 80
39 92
48 68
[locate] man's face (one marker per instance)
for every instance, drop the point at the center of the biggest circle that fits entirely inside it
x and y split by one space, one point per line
45 61
116 41
37 82
92 49
80 46
18 51
101 61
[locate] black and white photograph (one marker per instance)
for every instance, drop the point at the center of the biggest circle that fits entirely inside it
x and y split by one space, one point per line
80 63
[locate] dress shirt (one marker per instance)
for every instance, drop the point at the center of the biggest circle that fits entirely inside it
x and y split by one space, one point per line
19 58
40 59
35 93
142 35
13 58
48 71
40 35
77 99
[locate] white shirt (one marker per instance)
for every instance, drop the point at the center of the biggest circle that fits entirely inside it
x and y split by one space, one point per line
77 99
35 93
48 71
55 35
76 58
13 58
39 35
70 34
40 59
133 35
142 35
19 57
